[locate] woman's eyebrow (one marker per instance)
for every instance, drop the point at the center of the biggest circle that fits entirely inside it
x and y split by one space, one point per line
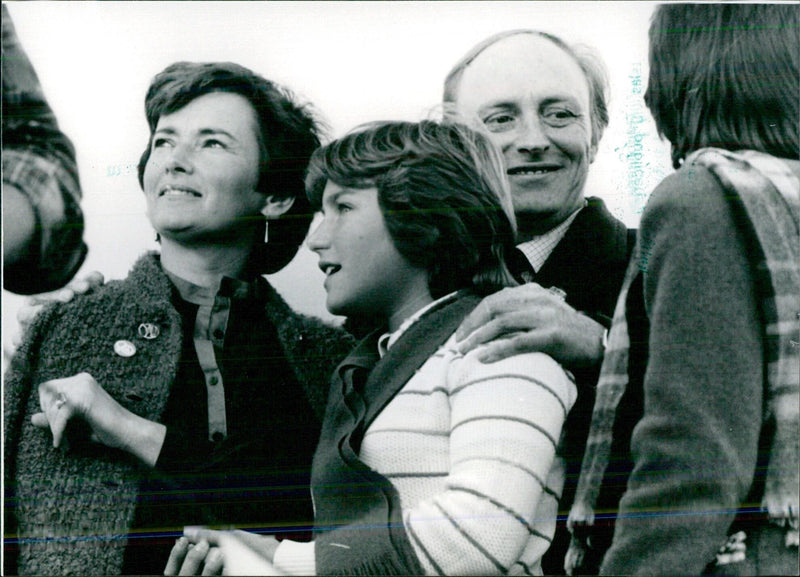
337 195
215 131
332 197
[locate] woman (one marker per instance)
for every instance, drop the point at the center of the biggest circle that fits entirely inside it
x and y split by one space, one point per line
429 460
694 439
189 393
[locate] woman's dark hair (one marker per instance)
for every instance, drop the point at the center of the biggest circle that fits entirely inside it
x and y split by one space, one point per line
289 133
726 75
442 192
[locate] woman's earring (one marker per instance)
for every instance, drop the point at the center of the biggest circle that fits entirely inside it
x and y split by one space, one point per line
266 231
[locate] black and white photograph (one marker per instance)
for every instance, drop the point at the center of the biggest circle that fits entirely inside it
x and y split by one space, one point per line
401 288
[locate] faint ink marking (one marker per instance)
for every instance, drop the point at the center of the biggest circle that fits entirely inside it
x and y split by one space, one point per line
632 154
644 257
114 170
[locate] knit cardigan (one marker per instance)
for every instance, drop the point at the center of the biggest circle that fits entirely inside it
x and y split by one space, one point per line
71 510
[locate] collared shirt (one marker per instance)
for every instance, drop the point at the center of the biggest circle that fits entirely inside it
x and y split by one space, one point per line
257 474
210 327
386 340
539 248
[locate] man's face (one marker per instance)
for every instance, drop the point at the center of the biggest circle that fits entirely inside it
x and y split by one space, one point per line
533 99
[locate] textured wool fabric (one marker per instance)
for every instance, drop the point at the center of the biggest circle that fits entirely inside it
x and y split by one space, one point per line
72 510
707 310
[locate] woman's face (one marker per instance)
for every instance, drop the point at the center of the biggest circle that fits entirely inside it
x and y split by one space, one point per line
365 275
200 180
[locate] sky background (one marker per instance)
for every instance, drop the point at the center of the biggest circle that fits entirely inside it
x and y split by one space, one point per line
355 61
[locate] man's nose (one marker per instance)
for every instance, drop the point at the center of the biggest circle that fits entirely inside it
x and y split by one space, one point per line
532 136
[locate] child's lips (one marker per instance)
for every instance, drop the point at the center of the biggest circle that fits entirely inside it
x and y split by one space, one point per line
329 268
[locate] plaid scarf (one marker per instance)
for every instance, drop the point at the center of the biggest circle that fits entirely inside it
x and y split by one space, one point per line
764 197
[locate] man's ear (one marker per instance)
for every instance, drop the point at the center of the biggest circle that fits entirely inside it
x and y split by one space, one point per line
275 207
593 152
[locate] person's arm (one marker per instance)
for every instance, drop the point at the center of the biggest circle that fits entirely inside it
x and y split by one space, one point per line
19 223
151 442
483 521
38 162
506 421
530 318
81 397
695 447
207 552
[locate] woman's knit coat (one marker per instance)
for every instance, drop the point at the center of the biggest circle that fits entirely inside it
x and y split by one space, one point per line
72 509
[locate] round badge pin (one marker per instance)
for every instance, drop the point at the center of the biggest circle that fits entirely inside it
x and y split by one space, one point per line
124 348
148 331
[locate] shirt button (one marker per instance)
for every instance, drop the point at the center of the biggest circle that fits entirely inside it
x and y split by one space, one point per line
213 381
219 334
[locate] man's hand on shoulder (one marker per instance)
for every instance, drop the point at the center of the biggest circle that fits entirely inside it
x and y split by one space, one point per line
530 318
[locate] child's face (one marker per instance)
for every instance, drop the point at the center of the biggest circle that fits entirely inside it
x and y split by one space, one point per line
364 272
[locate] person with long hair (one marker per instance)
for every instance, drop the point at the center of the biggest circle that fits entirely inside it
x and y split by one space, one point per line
692 461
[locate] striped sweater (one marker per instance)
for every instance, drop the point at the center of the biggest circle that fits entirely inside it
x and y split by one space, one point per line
471 450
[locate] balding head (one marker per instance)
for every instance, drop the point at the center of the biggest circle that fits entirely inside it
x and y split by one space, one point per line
592 66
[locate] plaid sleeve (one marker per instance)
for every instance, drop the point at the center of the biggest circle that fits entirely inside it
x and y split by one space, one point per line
39 160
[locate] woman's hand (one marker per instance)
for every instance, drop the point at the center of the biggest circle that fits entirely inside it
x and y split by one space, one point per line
207 552
81 397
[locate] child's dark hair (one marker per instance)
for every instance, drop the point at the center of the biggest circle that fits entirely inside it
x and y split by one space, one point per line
443 194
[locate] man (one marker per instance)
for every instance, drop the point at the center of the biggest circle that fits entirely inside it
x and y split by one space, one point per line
543 104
